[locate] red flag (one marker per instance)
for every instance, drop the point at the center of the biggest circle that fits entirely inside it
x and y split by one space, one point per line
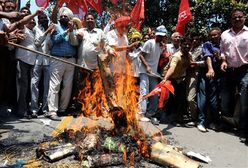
61 2
75 5
42 3
137 14
184 16
83 5
114 2
163 90
96 5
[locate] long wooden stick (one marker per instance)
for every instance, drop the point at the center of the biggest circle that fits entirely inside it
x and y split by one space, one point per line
49 56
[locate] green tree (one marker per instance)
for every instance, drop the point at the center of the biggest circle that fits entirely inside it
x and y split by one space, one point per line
206 13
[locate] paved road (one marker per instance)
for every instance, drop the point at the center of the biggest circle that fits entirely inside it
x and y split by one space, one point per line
224 149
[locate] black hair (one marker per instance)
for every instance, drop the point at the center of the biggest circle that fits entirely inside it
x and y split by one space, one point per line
12 1
214 28
237 10
42 14
185 39
197 34
29 12
90 13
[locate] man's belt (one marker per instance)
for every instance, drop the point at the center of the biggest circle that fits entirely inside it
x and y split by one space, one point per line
243 68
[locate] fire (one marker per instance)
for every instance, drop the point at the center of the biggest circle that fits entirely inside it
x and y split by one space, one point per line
92 96
93 100
127 94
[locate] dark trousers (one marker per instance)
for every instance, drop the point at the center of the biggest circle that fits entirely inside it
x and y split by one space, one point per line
176 105
23 79
236 80
7 77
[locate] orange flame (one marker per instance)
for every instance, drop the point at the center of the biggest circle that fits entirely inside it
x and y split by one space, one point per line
93 102
92 96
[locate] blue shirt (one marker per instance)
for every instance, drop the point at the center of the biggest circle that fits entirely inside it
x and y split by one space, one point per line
210 49
61 45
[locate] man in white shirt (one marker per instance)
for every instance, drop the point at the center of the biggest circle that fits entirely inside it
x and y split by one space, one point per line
25 64
91 41
43 44
150 55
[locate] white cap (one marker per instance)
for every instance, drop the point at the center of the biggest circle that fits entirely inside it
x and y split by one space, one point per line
161 31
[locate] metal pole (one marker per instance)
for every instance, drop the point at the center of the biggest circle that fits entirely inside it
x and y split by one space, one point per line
49 56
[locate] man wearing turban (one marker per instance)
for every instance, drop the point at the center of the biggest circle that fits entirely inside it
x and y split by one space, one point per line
118 41
64 47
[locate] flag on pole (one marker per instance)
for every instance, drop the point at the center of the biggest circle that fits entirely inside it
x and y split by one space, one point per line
75 5
96 5
184 16
137 14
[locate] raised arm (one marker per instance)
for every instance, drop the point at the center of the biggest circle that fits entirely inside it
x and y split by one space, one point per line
23 21
55 13
11 15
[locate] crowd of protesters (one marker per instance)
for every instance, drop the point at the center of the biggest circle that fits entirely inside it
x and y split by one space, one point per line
209 75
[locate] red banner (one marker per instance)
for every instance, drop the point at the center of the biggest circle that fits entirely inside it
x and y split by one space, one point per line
83 5
61 2
184 16
42 3
137 14
75 5
96 5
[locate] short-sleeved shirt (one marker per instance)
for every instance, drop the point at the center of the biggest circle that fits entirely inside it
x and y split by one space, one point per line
171 48
118 64
212 50
152 54
90 47
181 63
234 47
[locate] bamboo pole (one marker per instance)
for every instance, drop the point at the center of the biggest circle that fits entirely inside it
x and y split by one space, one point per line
49 56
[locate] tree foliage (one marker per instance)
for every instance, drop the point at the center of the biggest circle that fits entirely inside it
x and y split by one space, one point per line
206 13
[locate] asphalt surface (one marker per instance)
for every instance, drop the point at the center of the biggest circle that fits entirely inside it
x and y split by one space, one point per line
224 149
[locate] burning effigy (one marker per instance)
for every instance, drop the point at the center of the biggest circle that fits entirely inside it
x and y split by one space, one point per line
125 144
